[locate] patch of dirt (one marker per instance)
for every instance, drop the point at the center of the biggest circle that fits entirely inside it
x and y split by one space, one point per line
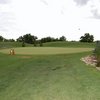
90 60
56 68
98 68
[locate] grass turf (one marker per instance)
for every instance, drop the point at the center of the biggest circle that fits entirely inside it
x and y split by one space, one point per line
13 44
48 77
45 50
49 44
70 44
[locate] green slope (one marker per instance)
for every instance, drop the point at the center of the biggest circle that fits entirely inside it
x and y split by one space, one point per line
12 44
49 44
69 44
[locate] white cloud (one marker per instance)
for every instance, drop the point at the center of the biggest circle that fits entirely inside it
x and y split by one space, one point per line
6 16
5 1
44 2
50 18
81 2
95 9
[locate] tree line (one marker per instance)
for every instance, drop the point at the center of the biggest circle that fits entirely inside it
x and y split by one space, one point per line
2 39
31 39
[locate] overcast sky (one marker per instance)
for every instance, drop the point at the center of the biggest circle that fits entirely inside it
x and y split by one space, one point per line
71 18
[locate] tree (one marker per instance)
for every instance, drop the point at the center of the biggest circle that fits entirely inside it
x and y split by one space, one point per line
87 38
1 38
41 44
47 39
20 39
11 40
23 44
63 38
28 38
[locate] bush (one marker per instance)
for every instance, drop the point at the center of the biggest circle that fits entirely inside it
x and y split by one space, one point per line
23 44
97 53
87 38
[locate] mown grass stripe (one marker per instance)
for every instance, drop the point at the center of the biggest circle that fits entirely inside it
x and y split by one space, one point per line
46 50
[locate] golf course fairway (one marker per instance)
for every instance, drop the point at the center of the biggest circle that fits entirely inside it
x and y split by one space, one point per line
45 50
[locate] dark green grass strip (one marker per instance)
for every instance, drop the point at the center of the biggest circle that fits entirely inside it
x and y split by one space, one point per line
70 44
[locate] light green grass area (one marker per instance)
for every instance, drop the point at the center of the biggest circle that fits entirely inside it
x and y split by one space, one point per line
45 50
48 77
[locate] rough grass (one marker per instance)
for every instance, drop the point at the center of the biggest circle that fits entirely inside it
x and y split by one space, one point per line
12 44
70 44
49 44
45 50
48 77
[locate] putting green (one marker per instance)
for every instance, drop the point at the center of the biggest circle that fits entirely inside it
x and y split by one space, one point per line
45 50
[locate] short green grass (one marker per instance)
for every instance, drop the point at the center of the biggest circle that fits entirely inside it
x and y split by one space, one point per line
45 50
48 77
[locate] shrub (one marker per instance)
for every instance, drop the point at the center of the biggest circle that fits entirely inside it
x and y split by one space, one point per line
97 53
23 44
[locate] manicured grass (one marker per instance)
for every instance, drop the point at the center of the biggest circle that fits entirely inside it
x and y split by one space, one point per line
70 44
48 77
45 50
